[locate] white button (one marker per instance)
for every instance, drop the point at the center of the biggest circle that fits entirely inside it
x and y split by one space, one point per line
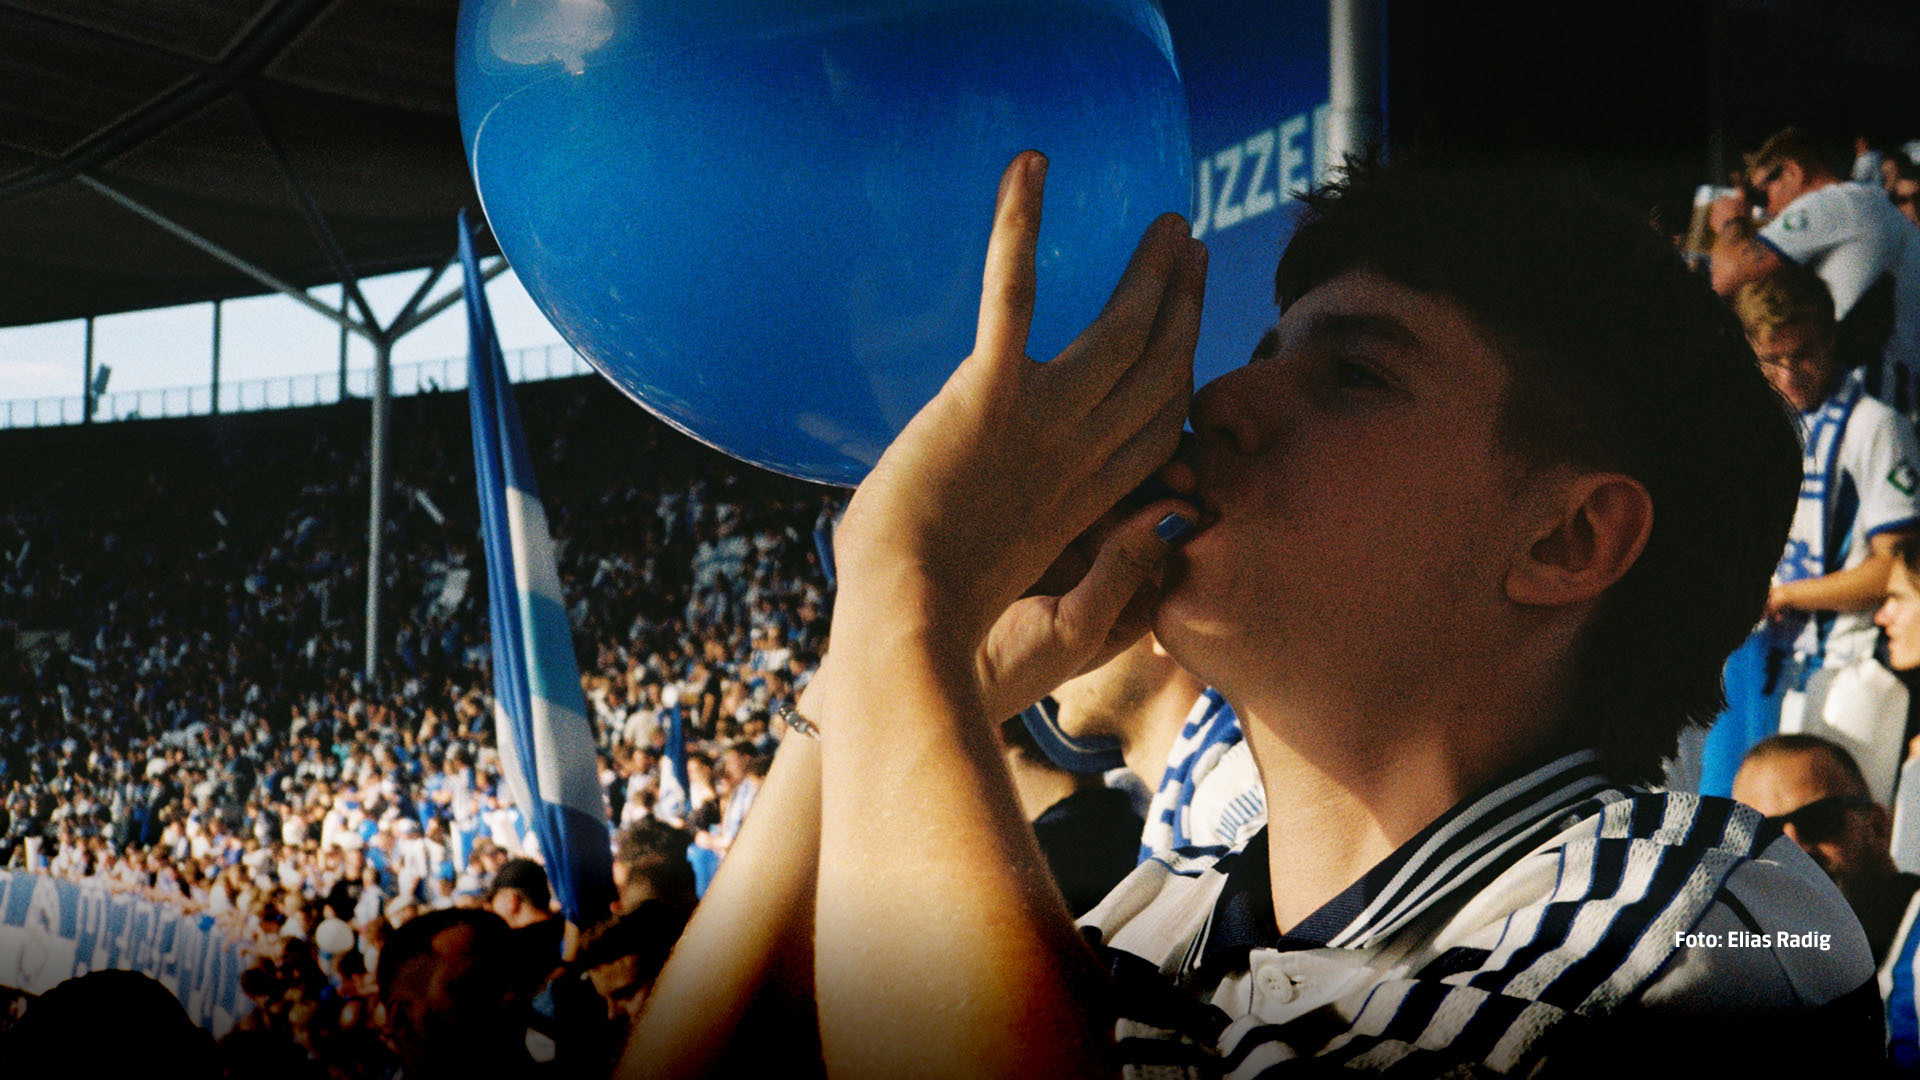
1275 985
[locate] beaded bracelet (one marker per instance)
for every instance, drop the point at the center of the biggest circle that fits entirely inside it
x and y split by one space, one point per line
796 723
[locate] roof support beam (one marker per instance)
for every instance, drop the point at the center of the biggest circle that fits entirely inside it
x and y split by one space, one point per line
368 330
309 207
260 44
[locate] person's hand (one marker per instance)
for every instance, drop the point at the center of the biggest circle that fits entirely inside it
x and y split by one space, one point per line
1778 605
1727 210
1013 459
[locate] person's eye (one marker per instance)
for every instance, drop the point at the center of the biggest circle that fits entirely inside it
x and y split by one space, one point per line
1350 374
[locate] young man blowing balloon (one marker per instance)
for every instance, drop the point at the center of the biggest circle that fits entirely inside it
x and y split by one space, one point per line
1464 553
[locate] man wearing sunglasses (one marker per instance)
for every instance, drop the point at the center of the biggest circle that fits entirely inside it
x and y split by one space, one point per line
1850 235
1814 791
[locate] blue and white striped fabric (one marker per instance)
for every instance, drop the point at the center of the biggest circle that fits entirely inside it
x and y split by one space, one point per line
540 714
1209 800
1541 918
1897 983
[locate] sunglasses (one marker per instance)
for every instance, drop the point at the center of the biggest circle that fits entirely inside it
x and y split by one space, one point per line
1822 820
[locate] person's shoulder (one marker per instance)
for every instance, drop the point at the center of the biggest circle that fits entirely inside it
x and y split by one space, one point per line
1704 903
1774 975
1664 913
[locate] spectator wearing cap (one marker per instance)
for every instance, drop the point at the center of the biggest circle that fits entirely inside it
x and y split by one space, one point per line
522 898
1088 831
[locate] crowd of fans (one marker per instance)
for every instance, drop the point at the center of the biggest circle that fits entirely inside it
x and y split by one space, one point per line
185 713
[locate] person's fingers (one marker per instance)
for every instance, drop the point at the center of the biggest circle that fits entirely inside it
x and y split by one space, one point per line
1105 350
1146 450
1129 560
1165 366
1007 287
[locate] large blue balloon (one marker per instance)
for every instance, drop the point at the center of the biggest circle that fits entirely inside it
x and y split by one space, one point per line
765 219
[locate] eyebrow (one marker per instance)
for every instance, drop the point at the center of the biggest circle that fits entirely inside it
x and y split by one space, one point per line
1376 329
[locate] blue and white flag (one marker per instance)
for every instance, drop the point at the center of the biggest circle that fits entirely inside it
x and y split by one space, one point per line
540 714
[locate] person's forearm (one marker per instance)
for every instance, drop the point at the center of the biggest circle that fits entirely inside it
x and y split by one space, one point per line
1737 259
1856 588
943 947
753 925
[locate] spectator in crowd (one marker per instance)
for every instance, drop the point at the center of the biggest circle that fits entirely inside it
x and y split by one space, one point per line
447 981
1903 185
1181 740
523 899
650 863
1859 496
1425 573
1814 790
744 771
621 959
107 1025
1899 613
1088 832
1851 236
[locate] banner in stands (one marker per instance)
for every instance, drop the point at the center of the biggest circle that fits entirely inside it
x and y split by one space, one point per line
52 930
1256 74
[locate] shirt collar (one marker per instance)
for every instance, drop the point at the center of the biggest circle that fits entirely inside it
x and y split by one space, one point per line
1475 840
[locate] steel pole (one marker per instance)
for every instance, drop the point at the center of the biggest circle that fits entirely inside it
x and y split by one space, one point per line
1356 45
377 500
86 388
216 361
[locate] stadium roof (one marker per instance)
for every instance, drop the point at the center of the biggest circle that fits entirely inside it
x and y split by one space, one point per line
246 121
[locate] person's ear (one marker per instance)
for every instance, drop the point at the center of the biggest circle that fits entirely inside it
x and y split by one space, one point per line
1880 827
1591 529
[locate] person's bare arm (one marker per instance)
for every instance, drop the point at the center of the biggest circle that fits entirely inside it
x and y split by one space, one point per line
942 946
1856 588
1738 255
750 938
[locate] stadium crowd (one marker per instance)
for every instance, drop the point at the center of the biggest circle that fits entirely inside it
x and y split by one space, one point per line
186 717
184 713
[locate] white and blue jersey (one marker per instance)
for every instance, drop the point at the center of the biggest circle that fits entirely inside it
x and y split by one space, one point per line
1553 923
1897 978
1209 800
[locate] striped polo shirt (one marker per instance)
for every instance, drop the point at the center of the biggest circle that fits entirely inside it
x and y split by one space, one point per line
1531 925
1209 800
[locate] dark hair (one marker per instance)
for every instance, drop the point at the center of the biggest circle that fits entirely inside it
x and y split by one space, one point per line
647 933
1015 737
656 853
526 877
1802 743
414 938
1618 359
61 1033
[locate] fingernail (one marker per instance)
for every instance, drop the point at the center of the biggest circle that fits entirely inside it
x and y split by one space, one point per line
1037 170
1172 528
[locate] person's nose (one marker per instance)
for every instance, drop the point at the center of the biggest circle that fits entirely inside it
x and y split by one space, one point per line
1226 413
